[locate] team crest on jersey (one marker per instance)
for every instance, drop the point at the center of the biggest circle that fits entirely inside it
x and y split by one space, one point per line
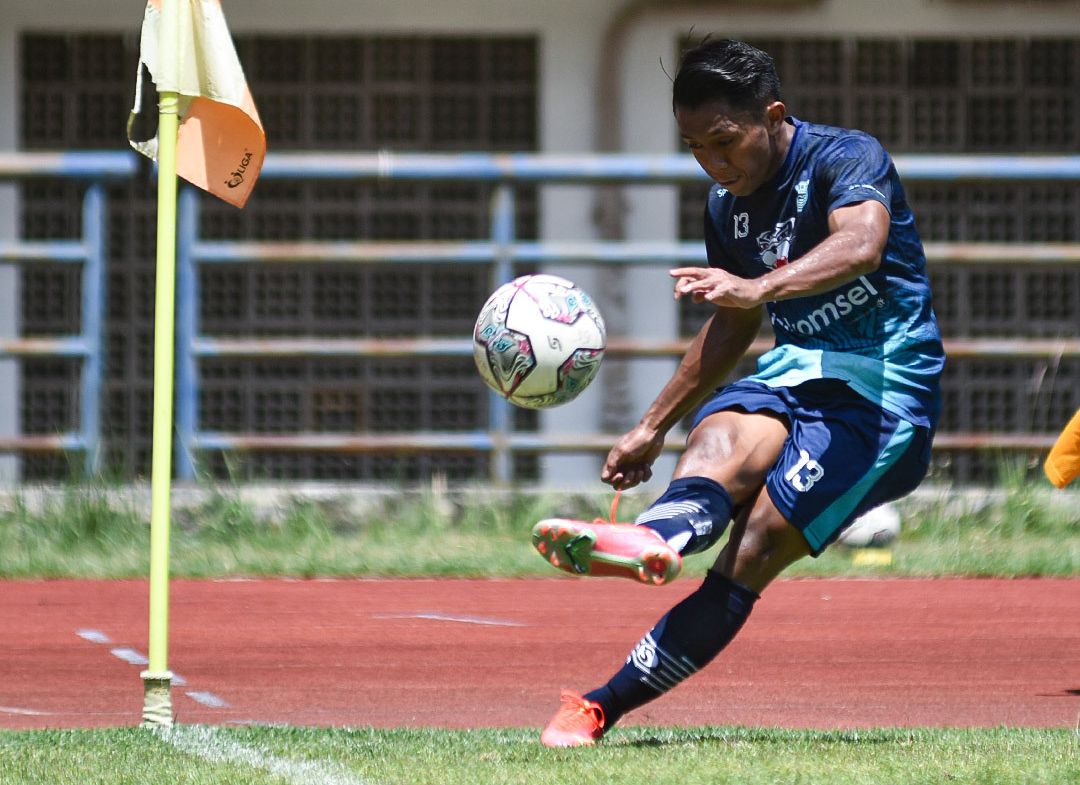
775 245
802 193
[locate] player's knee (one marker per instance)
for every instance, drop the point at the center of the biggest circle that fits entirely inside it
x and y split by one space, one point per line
767 546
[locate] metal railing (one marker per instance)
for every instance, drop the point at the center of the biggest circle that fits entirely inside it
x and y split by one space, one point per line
90 252
502 251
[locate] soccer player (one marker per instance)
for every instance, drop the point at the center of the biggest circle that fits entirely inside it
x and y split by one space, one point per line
807 223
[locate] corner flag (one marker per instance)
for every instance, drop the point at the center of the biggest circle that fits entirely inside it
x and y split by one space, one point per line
221 144
210 134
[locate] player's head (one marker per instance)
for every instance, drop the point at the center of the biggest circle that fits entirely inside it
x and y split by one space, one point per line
726 98
732 72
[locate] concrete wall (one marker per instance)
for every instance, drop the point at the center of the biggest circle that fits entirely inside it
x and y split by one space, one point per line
575 43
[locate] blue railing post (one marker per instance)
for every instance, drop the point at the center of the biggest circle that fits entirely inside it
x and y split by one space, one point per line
503 234
93 315
187 326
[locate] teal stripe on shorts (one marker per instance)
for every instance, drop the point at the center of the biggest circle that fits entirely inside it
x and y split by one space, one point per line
823 527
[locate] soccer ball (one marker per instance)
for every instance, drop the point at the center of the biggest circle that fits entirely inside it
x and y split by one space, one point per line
538 341
875 529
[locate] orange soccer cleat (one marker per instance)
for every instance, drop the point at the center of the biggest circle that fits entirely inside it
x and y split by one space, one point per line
607 549
577 723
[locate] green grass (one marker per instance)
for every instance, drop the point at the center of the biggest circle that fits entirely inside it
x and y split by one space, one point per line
685 756
91 532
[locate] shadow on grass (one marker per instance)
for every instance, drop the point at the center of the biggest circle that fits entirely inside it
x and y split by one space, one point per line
718 736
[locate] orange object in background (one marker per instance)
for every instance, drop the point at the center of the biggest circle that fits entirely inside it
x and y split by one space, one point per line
1062 465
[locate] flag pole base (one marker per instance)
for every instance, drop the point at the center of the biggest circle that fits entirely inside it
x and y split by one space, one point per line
157 699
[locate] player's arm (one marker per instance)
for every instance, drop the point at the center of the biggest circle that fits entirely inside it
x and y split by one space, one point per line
710 358
857 236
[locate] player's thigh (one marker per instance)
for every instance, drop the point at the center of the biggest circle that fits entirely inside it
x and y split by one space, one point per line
734 447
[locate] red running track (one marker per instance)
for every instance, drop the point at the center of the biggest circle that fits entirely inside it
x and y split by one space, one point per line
473 653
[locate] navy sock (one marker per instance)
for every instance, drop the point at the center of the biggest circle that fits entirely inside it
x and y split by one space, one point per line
685 640
691 515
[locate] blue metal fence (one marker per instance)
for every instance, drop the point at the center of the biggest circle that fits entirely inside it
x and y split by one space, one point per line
501 250
89 251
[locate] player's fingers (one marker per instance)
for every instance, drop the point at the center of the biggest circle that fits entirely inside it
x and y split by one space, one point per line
620 482
636 475
688 272
684 287
691 286
614 473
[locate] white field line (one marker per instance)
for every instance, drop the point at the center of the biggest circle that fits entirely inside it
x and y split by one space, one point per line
205 742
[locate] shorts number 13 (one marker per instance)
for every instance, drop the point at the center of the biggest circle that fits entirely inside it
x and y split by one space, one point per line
805 472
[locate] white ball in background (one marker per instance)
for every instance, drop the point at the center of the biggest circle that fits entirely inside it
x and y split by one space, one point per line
875 529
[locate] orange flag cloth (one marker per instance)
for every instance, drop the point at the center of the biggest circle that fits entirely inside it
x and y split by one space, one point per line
1063 463
221 143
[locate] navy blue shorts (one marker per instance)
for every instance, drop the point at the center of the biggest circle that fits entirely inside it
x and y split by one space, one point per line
843 455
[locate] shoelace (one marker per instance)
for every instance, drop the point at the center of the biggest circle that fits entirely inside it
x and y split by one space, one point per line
614 506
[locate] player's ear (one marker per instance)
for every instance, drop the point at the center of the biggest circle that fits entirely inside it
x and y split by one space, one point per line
774 116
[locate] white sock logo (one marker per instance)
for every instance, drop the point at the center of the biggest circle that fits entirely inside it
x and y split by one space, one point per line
644 654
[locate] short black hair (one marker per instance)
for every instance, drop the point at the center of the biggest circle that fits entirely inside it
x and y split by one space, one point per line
735 72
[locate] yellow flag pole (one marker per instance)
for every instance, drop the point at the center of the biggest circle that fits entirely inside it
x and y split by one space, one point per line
157 679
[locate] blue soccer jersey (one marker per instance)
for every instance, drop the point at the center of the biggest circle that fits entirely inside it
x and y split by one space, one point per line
878 333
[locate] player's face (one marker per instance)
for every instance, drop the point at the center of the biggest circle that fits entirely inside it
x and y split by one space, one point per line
740 151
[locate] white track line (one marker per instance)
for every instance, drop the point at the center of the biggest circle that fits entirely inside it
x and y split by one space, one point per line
24 712
94 636
207 699
205 742
448 617
130 656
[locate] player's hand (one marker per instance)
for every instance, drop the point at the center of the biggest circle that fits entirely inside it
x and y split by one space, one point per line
630 461
719 287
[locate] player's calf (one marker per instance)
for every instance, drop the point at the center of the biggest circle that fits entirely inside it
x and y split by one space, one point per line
686 639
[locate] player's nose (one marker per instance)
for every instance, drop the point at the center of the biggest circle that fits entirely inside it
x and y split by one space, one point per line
718 159
711 162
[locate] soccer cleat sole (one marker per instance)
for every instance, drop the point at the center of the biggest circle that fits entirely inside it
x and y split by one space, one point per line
571 546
